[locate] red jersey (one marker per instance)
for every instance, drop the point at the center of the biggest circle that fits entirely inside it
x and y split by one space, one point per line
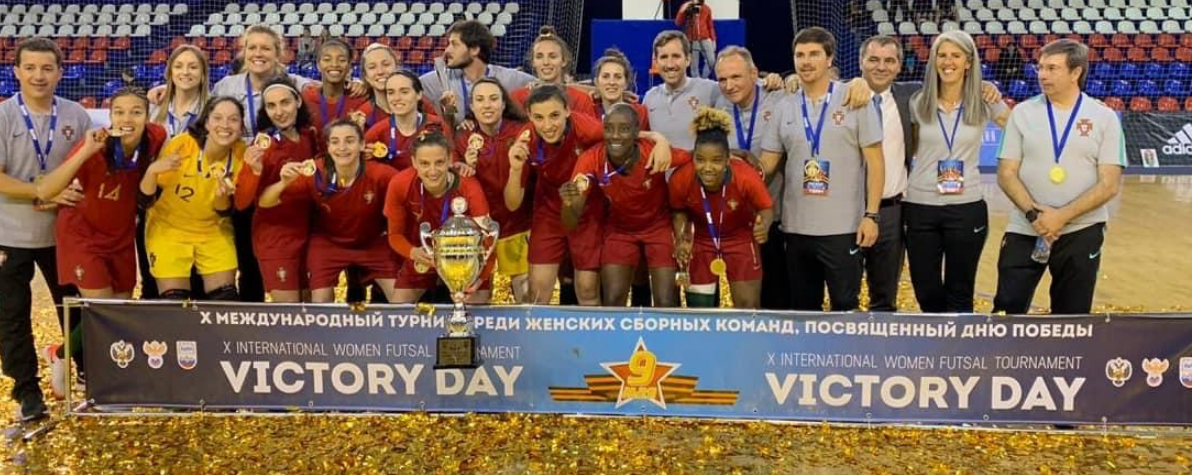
637 198
643 115
281 231
351 217
323 111
553 164
106 217
700 27
577 100
744 194
401 147
492 171
408 205
374 115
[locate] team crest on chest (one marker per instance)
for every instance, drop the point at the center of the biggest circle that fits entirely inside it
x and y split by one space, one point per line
646 184
766 115
1084 126
79 273
693 102
368 196
732 204
281 274
68 132
838 117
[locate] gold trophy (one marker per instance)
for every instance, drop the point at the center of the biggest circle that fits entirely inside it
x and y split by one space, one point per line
461 247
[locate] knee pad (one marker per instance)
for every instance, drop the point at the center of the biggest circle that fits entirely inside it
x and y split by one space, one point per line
176 294
225 293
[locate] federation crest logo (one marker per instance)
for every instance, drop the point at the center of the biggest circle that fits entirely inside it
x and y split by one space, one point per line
1154 368
1186 372
281 274
642 378
693 102
838 117
154 350
79 273
1084 126
732 204
646 184
1118 371
68 132
122 353
368 196
766 115
152 259
188 354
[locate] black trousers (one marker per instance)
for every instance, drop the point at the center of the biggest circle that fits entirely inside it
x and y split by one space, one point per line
776 285
817 260
17 353
251 285
883 261
944 245
1075 261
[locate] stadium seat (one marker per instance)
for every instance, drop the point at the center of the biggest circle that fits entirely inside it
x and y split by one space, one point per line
1178 71
1140 104
498 30
1148 88
1127 27
886 29
417 8
493 7
973 28
221 57
1148 27
437 30
985 15
397 31
1171 26
416 57
343 19
306 8
1082 27
76 56
1115 103
1070 14
504 18
1061 27
436 8
455 8
1188 104
1011 15
512 8
398 8
369 18
88 102
376 30
409 19
1162 55
1095 88
929 28
1175 87
361 43
995 28
1048 14
1121 87
1167 104
417 30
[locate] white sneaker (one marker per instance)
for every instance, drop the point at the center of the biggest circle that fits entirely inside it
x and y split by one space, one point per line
57 371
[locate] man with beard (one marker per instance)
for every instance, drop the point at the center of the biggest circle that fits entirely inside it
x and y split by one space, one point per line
469 49
673 103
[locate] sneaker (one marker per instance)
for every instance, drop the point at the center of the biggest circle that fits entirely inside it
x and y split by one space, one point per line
32 409
57 370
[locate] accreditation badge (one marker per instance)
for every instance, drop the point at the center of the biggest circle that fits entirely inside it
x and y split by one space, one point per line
950 177
816 177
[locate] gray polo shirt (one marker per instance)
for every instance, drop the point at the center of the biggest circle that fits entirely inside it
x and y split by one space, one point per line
22 226
846 131
966 146
1096 139
181 119
767 113
235 86
432 88
671 111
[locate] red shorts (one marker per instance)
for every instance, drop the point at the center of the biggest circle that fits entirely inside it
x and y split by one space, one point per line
409 278
86 269
325 260
626 248
550 243
283 274
741 255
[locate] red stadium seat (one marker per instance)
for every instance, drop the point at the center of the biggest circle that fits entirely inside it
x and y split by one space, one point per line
425 43
416 57
1188 104
1094 55
1144 40
916 41
1183 55
1048 39
87 102
1167 104
218 43
399 55
1075 37
5 43
1186 40
1137 55
1004 41
1140 104
100 42
200 42
106 104
1162 55
158 57
122 43
360 43
1167 40
1121 41
405 43
176 42
984 41
385 40
992 56
1028 41
76 56
63 42
10 56
1115 103
443 42
222 57
1098 40
1113 55
81 42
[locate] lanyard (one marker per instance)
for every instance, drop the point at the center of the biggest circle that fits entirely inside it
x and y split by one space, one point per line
339 109
1057 144
746 142
334 186
42 156
814 136
252 108
199 164
950 139
118 154
463 82
540 158
446 202
174 126
393 151
621 170
713 228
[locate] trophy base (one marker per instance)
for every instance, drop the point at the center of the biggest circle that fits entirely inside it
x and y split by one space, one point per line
457 352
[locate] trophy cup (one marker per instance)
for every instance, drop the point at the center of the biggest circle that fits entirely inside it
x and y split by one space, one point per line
460 248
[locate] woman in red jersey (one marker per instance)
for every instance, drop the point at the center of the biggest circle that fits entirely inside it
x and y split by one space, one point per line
279 234
394 138
637 222
496 123
552 62
332 100
348 194
613 76
429 193
731 210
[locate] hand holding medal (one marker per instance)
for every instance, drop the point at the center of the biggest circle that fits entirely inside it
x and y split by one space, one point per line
380 150
475 143
307 168
262 141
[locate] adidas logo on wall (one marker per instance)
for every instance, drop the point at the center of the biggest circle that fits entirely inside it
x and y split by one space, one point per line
1180 143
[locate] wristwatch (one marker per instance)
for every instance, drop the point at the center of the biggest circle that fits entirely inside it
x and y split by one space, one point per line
1032 215
874 216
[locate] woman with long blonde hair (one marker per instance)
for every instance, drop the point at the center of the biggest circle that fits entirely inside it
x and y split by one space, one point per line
188 80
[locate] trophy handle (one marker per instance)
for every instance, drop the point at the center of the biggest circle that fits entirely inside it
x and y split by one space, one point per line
425 235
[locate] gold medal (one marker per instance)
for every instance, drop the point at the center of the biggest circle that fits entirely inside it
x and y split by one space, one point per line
420 268
525 136
307 168
582 182
475 142
1058 174
262 141
719 267
380 150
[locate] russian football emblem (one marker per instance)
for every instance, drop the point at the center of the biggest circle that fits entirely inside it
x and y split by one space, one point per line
1154 368
1186 372
188 354
154 350
1119 371
122 353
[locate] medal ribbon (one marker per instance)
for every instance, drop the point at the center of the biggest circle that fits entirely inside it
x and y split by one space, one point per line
1057 144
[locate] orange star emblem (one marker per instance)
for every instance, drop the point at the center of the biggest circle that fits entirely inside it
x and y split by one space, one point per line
641 377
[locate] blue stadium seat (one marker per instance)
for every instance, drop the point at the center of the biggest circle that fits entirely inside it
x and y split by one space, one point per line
1121 88
1103 70
112 87
1095 88
1178 71
72 72
311 71
1019 89
7 88
1174 87
986 70
218 72
1152 70
1148 88
1031 71
1130 71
